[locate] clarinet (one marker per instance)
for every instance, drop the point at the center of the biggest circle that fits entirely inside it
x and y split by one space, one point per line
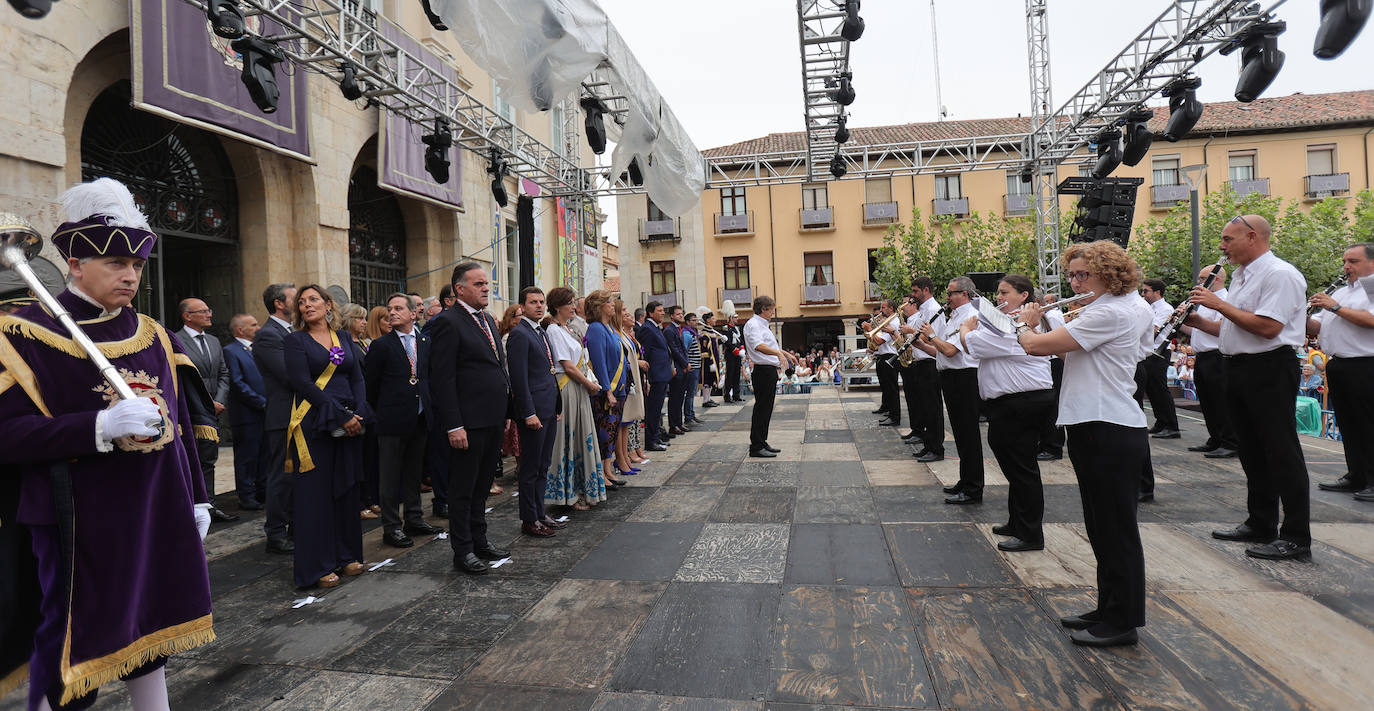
1330 289
1175 322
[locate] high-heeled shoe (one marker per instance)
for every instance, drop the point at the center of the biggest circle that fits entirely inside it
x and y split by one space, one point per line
614 483
624 472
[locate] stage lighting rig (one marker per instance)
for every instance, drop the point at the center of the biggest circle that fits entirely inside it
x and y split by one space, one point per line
636 173
1342 20
436 154
1108 152
1184 108
349 85
842 129
1138 135
32 9
1260 58
853 27
434 20
595 123
842 89
226 19
837 167
258 76
498 169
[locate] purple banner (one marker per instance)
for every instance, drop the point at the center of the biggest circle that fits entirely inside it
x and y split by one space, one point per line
185 72
400 151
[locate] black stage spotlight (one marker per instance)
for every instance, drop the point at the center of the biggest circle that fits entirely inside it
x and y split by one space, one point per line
1027 174
32 9
841 129
349 83
226 19
1138 135
636 174
258 76
434 20
498 170
436 155
843 93
853 27
837 167
1184 108
1108 152
1260 58
595 123
1342 20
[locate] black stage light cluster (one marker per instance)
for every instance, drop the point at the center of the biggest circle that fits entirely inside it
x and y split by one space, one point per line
226 19
348 85
498 169
1260 58
32 9
1105 210
841 89
1341 21
437 149
259 56
853 27
1139 138
594 123
1108 152
842 129
1184 108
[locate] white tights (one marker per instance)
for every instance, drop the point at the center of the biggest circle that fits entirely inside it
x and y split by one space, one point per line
148 692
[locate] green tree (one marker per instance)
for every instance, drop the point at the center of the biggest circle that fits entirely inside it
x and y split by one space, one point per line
943 248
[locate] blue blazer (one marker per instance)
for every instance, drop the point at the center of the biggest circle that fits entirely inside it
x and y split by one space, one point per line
676 346
655 351
533 387
605 353
247 393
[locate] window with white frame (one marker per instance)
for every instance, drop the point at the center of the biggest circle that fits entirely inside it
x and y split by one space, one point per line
732 201
1240 165
1017 186
948 187
878 190
1165 171
815 197
1321 160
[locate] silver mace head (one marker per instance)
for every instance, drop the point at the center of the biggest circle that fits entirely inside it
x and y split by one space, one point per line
19 241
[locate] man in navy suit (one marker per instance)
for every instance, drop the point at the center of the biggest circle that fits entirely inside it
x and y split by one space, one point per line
651 339
397 378
536 405
471 393
247 403
268 353
677 388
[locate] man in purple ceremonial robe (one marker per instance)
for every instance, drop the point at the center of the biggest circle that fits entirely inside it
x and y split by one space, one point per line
102 506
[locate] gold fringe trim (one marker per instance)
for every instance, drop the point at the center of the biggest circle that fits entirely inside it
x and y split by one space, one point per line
16 368
15 678
142 338
205 432
82 679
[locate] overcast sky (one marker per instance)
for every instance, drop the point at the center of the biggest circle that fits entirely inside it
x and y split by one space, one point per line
731 69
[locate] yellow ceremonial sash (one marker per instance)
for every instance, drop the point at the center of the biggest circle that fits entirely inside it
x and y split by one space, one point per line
294 433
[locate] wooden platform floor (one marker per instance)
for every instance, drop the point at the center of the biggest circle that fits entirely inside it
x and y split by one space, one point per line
832 576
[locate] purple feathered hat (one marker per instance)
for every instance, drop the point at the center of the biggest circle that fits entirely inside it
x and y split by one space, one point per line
102 220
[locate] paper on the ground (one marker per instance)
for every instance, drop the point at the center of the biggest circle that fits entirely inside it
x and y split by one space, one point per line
498 563
515 494
441 536
302 602
562 519
383 564
489 508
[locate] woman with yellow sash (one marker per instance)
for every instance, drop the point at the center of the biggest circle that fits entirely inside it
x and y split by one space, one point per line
324 443
611 367
576 478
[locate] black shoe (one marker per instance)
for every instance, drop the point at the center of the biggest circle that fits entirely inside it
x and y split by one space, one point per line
698 420
930 457
1080 622
763 453
1345 483
1280 549
963 497
952 489
1242 533
221 516
771 448
1165 434
890 423
1157 427
440 510
421 528
1106 637
910 436
656 447
250 505
284 546
1016 545
397 538
1204 447
469 563
1048 457
537 529
490 552
1366 494
1221 453
710 403
1146 496
880 411
1001 529
679 430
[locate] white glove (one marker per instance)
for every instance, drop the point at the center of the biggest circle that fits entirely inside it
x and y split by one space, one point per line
202 521
129 418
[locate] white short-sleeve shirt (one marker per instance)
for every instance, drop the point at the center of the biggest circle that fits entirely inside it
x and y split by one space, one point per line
1269 287
1004 367
757 332
1204 342
565 346
925 313
947 329
1115 332
1339 337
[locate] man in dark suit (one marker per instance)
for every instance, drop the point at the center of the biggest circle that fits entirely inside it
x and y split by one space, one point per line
247 403
397 375
651 339
205 352
268 353
677 387
438 452
471 393
536 406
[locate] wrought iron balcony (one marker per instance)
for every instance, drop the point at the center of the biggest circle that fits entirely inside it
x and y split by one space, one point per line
954 207
880 213
672 298
1320 186
872 292
821 295
731 225
659 231
1245 187
820 218
741 298
1017 204
1168 195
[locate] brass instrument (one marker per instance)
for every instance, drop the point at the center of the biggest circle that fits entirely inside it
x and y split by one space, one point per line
872 333
1330 289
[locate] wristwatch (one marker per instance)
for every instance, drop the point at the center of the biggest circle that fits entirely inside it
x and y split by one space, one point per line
1022 328
1336 308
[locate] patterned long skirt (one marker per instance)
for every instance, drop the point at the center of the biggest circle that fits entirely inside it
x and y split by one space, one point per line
635 436
607 423
576 470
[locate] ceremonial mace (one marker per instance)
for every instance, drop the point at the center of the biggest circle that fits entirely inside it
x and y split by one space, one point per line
20 242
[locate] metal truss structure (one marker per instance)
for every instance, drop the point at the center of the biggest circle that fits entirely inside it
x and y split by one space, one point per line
825 58
1042 170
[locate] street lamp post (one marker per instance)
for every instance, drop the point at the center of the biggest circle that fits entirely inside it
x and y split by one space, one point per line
1192 175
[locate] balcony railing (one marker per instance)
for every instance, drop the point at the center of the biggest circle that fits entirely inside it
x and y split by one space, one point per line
735 224
880 213
1017 204
1168 195
672 298
822 295
872 292
741 298
1245 187
954 207
820 218
659 231
1320 186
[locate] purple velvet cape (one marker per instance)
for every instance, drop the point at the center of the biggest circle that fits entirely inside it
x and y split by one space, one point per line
139 585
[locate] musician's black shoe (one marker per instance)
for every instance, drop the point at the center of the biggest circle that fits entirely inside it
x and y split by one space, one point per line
930 457
1048 457
952 489
219 516
1167 434
1345 483
1242 533
1146 497
1366 494
1016 545
1100 635
1204 447
1080 622
1221 453
1157 427
1001 529
1280 549
910 436
763 453
890 423
880 411
771 448
963 498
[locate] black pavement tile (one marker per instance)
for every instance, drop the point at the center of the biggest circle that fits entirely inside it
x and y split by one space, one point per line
1356 606
839 554
553 557
1063 502
755 504
639 551
218 685
470 696
835 504
1184 504
946 555
897 504
767 472
243 567
827 436
720 453
612 701
618 506
679 503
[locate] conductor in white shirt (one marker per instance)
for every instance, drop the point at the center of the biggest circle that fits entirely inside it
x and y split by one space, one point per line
767 357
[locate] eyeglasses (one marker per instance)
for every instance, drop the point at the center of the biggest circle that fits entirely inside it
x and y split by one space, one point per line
952 292
207 312
1241 219
1079 276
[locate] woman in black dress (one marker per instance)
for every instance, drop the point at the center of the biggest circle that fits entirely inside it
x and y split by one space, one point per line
324 443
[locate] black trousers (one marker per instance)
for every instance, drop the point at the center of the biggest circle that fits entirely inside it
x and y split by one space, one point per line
1014 437
471 472
399 462
280 487
677 395
887 382
437 462
1263 403
249 481
765 382
653 410
1209 377
1052 435
1350 388
732 369
1105 458
208 450
921 383
1152 381
960 388
536 454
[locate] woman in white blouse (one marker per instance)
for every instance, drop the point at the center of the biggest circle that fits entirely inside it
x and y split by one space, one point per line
576 478
1106 430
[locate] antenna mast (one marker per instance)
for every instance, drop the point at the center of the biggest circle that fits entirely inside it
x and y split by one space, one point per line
935 47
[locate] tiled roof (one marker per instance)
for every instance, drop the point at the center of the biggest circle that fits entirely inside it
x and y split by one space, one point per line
1278 113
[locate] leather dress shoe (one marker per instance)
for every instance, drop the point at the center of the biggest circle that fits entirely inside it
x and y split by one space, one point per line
250 505
910 436
764 453
890 423
1146 497
222 516
656 447
1155 428
422 528
1048 457
930 457
1279 549
537 529
283 546
698 420
1344 483
1366 494
1016 545
1080 622
397 538
1167 434
677 431
548 521
710 403
469 563
1242 533
1221 453
1204 447
964 497
771 448
440 510
1104 638
1001 529
490 552
880 411
952 489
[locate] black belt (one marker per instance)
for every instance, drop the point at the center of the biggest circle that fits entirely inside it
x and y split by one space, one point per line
1280 352
1024 395
1353 359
